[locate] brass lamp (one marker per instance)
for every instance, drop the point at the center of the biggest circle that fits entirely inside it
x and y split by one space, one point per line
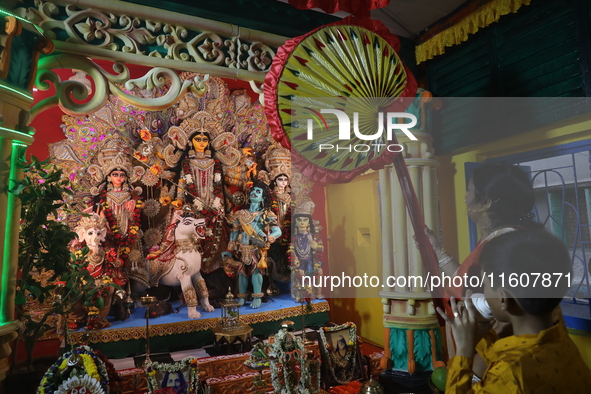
147 301
230 319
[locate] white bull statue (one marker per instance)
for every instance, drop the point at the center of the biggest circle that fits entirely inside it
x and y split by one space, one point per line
179 262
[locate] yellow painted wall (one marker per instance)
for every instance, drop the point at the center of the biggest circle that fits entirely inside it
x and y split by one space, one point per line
354 205
353 219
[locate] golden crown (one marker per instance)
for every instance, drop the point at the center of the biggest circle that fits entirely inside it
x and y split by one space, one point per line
198 123
92 221
305 207
278 162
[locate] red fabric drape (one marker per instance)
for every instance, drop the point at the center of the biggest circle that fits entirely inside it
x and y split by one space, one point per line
358 8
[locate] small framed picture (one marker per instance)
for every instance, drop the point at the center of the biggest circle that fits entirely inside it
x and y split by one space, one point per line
341 358
176 378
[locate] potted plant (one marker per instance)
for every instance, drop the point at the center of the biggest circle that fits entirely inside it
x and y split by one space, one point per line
44 252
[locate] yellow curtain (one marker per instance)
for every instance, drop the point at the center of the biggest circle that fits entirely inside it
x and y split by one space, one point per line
458 33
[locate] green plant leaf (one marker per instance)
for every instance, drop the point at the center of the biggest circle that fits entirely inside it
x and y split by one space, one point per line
18 188
19 298
43 244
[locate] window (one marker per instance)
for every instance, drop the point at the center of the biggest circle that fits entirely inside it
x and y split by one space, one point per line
561 177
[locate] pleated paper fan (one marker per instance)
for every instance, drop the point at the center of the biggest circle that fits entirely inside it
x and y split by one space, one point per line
352 67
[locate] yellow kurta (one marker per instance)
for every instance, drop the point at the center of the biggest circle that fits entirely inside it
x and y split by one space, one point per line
548 362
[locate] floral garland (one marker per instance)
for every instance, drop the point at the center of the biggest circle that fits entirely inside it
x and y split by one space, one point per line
285 361
123 242
188 364
115 381
345 373
82 361
317 258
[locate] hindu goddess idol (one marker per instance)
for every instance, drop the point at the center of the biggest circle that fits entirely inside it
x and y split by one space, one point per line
277 175
200 178
204 146
120 204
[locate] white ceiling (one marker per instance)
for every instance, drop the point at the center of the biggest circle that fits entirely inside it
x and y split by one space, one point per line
407 18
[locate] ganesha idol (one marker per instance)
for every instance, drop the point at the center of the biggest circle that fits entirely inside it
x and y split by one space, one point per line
91 232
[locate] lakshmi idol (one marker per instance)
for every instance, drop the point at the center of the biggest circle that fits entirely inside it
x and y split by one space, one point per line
278 164
120 204
277 175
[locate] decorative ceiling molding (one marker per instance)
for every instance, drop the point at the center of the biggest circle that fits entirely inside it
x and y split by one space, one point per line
120 31
69 94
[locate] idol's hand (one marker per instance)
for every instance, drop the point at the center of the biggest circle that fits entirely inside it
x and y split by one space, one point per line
156 170
198 204
130 205
217 203
463 326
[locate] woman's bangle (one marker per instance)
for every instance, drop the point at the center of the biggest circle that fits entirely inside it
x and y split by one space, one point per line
445 261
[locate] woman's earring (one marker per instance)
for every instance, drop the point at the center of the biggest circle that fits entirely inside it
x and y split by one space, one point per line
487 204
484 208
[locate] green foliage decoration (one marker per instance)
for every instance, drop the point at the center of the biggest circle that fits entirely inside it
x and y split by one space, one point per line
43 248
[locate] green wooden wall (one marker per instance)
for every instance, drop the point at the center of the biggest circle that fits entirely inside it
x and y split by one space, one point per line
542 51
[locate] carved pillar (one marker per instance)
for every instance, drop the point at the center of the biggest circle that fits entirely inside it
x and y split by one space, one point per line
413 340
20 47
